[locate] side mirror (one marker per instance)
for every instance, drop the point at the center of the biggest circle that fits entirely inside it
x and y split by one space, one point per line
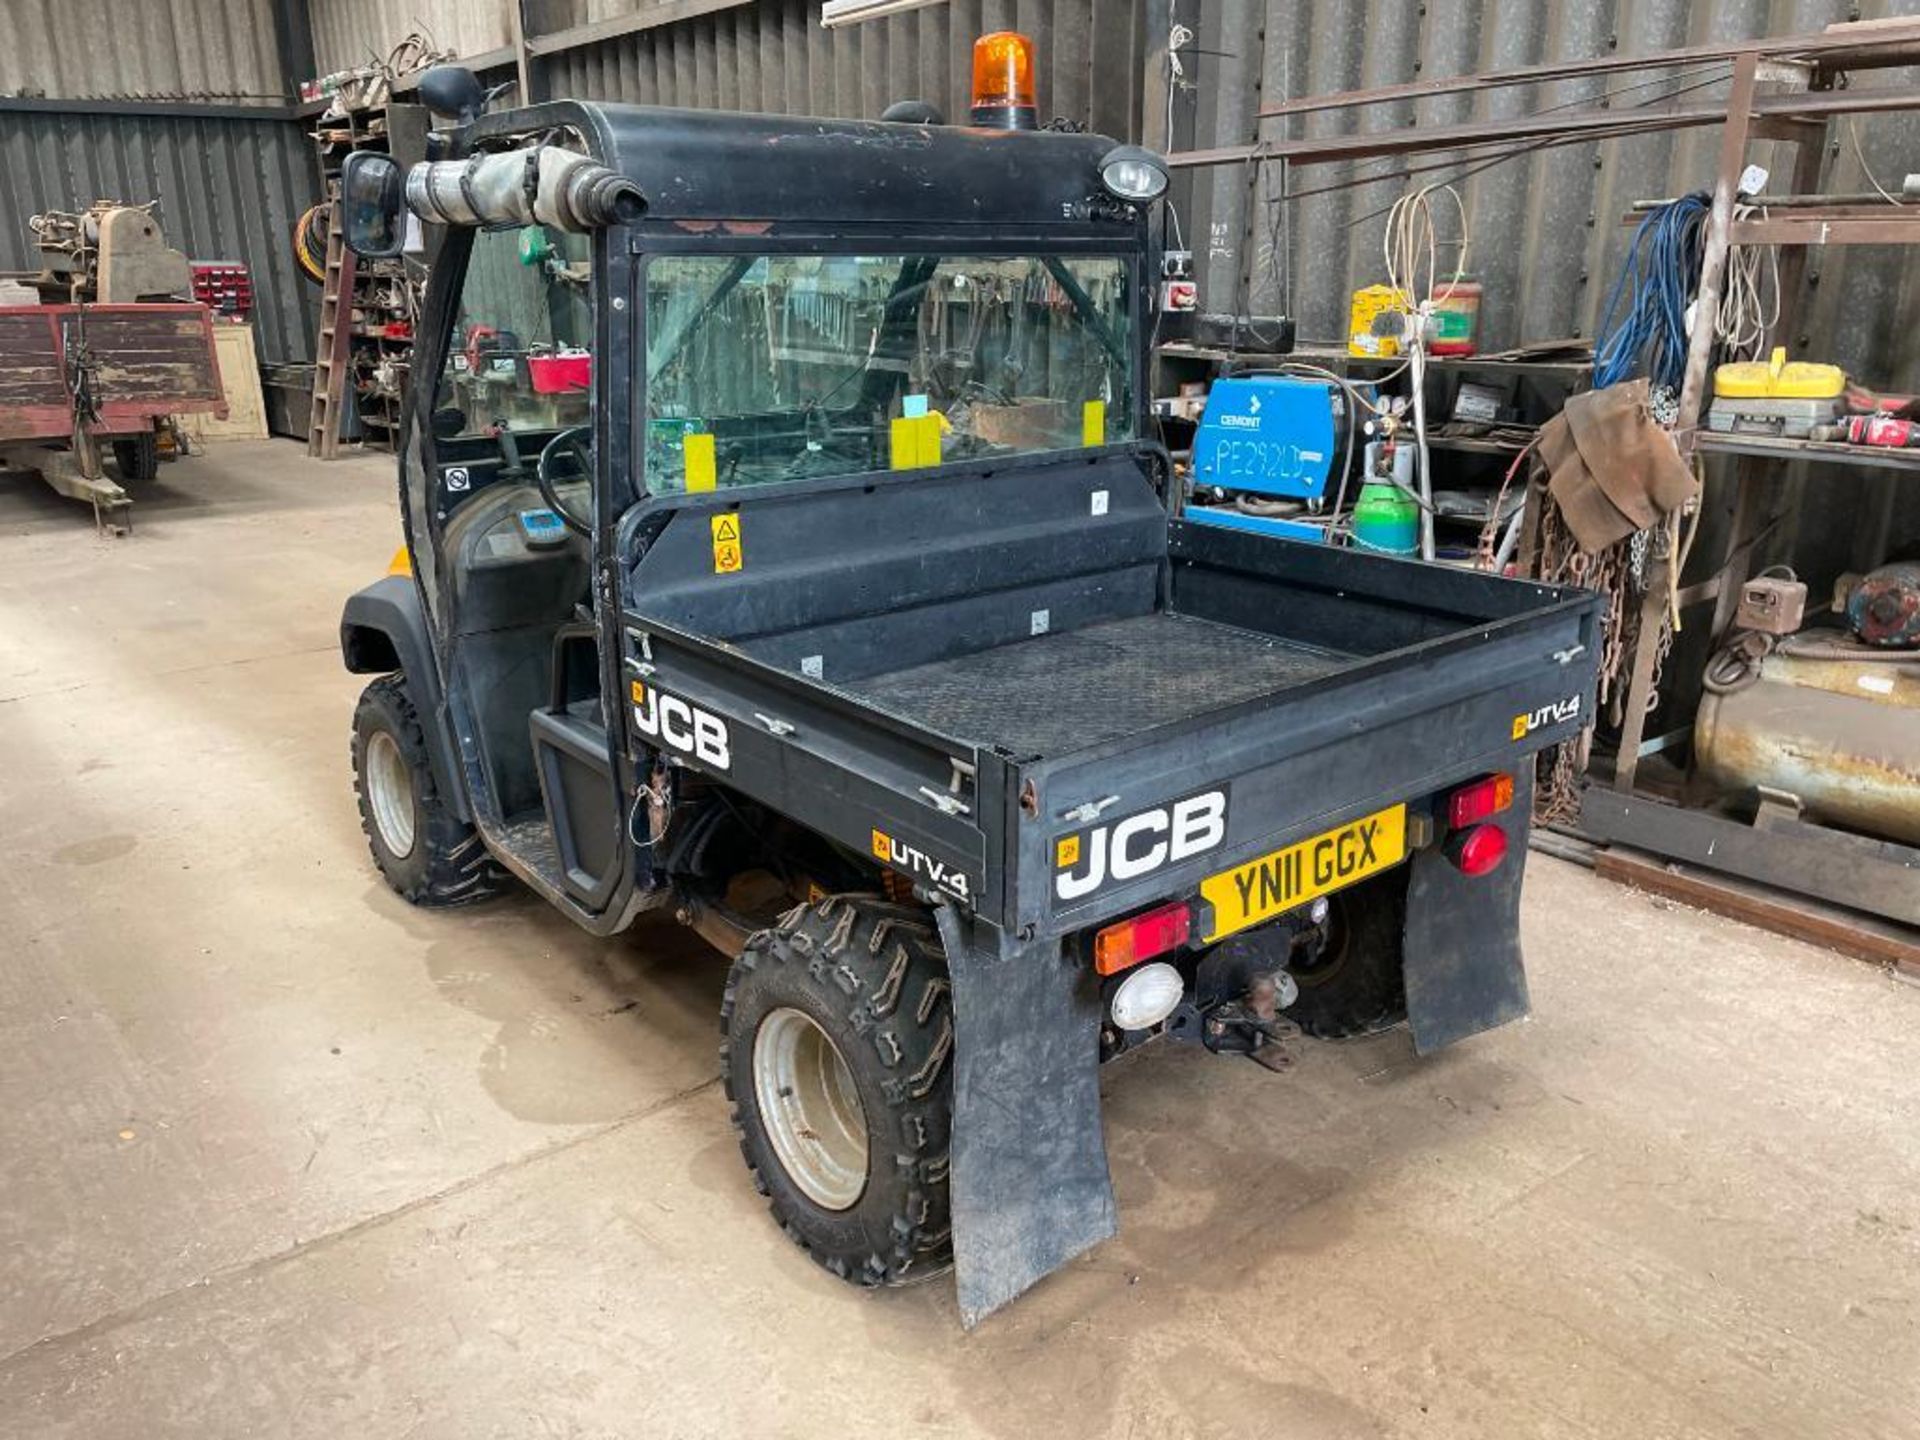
453 92
371 191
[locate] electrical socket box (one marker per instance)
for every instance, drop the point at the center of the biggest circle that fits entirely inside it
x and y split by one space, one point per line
1771 605
1179 297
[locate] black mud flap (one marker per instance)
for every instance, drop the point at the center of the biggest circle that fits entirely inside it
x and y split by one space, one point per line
1030 1186
1462 942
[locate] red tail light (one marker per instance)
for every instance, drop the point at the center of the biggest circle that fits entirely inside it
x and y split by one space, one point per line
1478 851
1141 937
1473 803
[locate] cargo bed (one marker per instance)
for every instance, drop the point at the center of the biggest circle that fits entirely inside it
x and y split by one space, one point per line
1059 693
970 665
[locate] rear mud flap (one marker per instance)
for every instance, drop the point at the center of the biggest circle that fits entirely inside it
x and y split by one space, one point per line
1462 942
1030 1186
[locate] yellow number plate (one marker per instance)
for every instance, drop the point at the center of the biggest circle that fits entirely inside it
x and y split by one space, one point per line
1276 883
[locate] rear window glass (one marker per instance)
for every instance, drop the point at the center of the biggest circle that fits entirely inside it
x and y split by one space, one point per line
770 368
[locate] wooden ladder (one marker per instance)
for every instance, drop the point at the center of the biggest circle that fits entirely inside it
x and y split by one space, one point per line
330 362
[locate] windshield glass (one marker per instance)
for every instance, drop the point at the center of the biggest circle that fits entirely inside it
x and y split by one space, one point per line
519 355
762 369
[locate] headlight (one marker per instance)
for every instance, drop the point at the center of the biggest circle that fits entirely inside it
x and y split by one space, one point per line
1131 173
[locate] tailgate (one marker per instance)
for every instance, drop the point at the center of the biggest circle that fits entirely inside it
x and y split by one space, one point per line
1153 816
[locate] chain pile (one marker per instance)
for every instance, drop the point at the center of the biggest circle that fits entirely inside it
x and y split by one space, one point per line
1618 574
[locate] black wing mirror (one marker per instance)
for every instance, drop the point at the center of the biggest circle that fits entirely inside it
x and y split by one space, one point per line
371 190
454 93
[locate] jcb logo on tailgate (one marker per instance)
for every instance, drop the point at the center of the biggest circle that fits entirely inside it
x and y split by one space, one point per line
1139 844
682 725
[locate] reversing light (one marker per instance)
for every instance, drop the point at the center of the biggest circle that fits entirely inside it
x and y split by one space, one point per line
1478 851
1473 803
1141 937
1147 996
1130 173
1003 82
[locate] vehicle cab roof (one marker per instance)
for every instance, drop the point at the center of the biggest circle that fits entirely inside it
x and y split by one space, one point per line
714 165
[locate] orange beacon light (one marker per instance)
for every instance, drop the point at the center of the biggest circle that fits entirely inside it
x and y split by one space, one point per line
1003 82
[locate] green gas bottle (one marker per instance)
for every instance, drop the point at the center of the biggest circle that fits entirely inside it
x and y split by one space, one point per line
1387 519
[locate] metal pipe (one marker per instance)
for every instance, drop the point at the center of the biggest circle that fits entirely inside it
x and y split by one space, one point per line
540 184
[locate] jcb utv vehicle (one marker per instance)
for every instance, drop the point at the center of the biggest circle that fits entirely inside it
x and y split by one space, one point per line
789 551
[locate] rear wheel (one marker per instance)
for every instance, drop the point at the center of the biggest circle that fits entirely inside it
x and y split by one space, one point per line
838 1028
1355 983
428 854
137 457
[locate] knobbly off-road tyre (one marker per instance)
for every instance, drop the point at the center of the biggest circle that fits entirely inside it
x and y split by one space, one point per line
869 978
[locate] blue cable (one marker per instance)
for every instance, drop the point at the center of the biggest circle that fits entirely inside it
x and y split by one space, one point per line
1658 280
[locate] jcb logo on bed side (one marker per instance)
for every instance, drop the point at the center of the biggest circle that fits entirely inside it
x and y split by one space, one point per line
682 725
1545 716
1139 844
916 861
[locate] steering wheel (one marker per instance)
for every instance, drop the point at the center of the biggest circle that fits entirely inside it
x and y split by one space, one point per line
574 440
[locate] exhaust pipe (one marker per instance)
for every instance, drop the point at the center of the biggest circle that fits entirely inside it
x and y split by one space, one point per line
542 184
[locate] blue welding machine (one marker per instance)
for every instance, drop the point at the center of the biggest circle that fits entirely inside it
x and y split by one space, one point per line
1270 438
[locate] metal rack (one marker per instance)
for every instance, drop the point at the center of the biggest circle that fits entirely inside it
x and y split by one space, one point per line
366 315
1785 89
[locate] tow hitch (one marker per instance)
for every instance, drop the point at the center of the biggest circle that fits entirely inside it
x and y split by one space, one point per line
1229 999
1252 1025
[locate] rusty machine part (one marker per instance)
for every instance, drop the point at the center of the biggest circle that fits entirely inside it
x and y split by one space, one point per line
1884 608
109 254
1841 736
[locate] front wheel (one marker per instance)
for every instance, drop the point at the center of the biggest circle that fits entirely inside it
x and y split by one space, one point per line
428 854
838 1029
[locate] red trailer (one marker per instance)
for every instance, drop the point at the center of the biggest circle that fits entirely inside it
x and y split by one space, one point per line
78 379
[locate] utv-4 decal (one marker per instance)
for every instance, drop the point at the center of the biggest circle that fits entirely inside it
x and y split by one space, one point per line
682 725
917 863
1552 714
1138 844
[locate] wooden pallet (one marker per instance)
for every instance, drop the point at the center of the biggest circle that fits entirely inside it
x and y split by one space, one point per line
331 366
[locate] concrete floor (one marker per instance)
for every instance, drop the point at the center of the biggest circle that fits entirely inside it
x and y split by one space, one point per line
280 1156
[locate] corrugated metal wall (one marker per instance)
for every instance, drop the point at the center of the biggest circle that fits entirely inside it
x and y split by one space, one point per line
1545 234
347 33
228 190
141 49
775 57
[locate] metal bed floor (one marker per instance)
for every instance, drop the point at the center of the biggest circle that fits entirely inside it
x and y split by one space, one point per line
1059 693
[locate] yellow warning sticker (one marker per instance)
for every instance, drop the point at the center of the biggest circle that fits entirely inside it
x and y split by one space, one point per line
882 846
727 553
1093 423
1066 852
915 441
702 472
903 450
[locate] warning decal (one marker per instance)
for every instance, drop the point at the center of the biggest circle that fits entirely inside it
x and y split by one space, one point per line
727 555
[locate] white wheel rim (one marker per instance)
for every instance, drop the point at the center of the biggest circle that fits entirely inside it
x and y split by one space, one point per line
810 1108
390 794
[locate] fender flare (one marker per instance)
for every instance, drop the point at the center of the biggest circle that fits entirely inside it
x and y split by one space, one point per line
383 629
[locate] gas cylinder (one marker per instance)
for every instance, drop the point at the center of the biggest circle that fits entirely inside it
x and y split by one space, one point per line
1386 519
